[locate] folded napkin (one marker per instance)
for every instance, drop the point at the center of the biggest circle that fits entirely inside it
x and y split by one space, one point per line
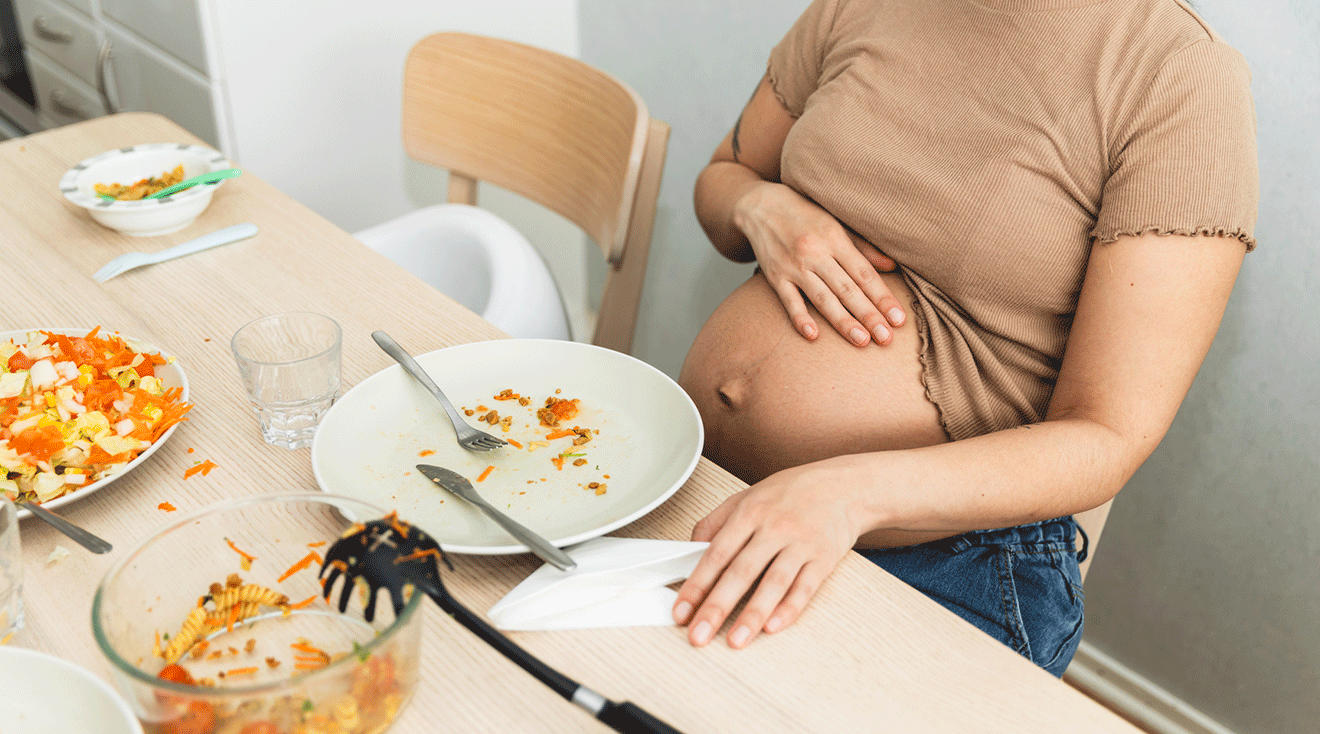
618 582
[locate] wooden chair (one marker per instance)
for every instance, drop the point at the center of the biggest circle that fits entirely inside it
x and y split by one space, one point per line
552 129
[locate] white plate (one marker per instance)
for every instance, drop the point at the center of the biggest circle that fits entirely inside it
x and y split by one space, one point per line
44 694
649 441
171 375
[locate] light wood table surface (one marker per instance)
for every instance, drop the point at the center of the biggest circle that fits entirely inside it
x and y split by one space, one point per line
869 654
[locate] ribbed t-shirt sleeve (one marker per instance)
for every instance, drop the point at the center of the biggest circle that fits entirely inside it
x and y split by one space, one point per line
796 61
1184 161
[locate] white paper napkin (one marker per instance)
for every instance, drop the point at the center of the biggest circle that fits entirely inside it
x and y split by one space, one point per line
618 582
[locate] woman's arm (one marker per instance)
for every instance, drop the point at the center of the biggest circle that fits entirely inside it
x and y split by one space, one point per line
1148 312
749 215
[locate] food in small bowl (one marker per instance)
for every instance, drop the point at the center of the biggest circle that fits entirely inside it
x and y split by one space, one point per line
217 625
125 167
140 189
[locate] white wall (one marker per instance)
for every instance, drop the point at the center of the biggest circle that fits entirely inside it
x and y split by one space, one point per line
315 91
1208 578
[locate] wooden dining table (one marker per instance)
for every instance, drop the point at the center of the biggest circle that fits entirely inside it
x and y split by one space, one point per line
869 654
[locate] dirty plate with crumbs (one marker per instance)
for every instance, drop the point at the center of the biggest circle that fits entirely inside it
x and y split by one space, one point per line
634 439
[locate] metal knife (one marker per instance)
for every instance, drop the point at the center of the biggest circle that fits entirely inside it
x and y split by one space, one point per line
457 484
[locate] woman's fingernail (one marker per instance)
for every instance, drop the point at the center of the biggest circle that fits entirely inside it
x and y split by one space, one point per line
682 612
739 637
701 633
774 625
858 336
881 333
895 316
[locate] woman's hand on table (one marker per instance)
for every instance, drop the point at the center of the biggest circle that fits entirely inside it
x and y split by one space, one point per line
792 527
803 249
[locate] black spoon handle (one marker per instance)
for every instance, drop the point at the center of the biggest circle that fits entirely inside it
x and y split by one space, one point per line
621 717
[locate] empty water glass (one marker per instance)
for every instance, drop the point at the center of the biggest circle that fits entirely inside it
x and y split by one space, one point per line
289 363
11 572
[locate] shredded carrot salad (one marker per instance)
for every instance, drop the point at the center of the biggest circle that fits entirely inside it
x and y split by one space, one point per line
77 409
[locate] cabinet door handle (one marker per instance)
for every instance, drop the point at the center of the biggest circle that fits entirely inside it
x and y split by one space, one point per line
63 106
102 75
44 30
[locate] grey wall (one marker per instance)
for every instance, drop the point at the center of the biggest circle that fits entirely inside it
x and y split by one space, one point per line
1208 578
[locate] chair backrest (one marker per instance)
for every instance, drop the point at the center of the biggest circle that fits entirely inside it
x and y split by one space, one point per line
552 129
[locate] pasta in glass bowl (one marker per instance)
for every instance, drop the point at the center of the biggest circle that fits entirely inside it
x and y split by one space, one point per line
216 625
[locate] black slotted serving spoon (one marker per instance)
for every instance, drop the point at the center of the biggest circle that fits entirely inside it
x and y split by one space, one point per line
390 554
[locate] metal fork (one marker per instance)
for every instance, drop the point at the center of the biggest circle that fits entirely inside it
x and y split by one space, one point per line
468 437
131 260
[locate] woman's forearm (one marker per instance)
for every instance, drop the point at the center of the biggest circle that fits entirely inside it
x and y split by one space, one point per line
1030 473
719 187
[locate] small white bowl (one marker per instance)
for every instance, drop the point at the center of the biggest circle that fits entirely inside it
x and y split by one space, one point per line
44 693
145 217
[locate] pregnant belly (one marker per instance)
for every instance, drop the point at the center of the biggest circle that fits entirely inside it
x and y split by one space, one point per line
770 399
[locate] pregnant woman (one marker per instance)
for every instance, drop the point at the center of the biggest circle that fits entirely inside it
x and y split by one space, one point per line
995 239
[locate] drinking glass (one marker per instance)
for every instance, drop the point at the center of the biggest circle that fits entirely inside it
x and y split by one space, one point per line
11 572
289 363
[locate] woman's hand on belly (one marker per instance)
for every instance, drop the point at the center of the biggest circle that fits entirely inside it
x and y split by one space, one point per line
802 248
792 526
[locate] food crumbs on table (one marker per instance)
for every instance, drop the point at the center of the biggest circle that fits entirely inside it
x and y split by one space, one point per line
425 452
486 473
272 663
579 462
316 544
515 444
468 411
166 507
233 580
606 476
600 490
482 408
203 467
191 450
251 645
233 651
57 555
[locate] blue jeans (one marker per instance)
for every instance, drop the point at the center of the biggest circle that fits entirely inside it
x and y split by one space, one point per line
1020 585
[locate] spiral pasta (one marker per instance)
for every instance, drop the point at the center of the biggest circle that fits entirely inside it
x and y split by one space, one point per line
192 627
248 594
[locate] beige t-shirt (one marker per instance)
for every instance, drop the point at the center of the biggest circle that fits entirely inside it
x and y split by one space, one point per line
986 145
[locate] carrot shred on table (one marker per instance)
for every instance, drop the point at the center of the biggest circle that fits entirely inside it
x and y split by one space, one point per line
317 544
203 468
247 556
486 473
516 445
559 434
308 666
303 603
166 507
558 461
241 671
300 565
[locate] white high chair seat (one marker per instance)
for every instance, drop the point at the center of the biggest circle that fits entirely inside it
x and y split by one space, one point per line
479 260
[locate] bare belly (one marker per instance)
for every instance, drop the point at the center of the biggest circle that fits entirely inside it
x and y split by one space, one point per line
770 399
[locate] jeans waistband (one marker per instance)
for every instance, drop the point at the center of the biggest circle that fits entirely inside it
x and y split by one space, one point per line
1059 533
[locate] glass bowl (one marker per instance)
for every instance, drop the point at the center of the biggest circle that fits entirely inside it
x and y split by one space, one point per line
280 659
144 217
